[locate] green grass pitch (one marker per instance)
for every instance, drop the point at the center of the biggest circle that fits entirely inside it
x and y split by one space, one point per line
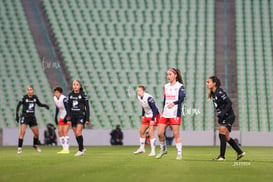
120 164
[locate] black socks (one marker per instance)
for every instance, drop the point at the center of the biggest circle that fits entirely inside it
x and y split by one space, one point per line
80 142
35 141
20 143
235 146
222 145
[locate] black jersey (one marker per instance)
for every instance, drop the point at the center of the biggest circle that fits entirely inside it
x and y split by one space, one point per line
222 104
78 105
29 104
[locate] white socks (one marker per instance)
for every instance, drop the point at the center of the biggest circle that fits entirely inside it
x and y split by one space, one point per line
142 142
152 142
179 149
66 143
64 140
163 146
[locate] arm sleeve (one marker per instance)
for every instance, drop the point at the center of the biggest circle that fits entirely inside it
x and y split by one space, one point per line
56 114
152 105
181 96
65 101
41 104
68 110
143 112
164 100
87 111
18 106
228 105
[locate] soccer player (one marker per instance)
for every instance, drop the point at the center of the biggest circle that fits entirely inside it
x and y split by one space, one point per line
29 102
78 113
174 94
225 114
150 118
63 126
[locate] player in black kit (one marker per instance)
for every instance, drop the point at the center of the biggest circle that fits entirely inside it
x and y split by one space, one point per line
226 116
78 113
28 117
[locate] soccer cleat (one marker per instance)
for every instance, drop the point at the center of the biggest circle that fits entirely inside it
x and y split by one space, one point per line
79 153
152 154
219 158
19 151
239 156
139 151
179 157
63 152
159 156
37 148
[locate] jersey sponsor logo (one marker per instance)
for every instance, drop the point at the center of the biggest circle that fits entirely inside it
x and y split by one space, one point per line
75 103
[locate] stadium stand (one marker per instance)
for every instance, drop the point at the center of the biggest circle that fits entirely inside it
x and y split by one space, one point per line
114 46
254 57
20 65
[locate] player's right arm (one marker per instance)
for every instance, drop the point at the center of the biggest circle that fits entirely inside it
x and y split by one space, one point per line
18 108
68 111
56 115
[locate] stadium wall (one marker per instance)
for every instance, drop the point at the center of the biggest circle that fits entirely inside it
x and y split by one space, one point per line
102 137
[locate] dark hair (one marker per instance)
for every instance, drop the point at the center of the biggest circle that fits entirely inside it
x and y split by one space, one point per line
59 89
216 80
178 73
141 86
31 86
81 89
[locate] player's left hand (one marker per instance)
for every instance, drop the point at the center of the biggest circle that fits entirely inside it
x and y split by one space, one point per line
47 107
152 123
170 105
86 122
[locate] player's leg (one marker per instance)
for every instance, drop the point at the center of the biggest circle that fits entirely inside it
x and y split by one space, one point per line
66 137
223 131
162 142
21 137
79 138
232 143
142 139
152 139
176 134
35 131
61 134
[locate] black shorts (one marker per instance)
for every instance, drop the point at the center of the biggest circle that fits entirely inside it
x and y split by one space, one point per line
31 121
77 120
227 122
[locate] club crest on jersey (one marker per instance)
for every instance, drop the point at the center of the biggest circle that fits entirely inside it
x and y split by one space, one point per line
80 96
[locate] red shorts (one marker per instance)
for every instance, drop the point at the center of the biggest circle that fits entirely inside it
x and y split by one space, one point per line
170 121
63 122
146 121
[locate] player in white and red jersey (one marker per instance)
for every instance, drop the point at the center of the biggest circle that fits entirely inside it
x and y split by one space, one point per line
63 126
174 94
150 119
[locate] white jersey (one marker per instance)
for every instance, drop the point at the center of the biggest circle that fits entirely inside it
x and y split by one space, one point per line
171 94
146 101
60 105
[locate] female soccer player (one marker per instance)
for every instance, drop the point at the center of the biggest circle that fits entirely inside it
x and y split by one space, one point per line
78 113
150 118
28 118
225 114
63 126
174 94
